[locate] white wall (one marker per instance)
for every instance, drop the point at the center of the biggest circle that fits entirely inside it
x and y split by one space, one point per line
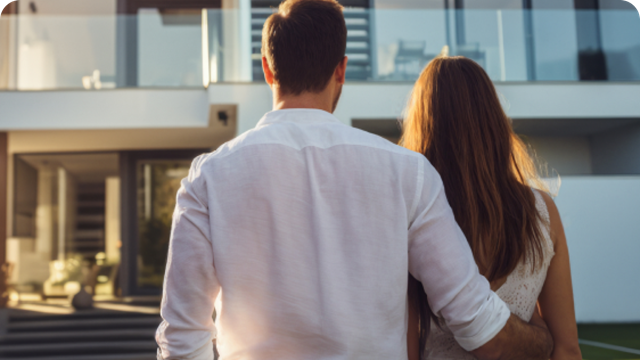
253 100
387 100
601 218
571 100
358 101
109 109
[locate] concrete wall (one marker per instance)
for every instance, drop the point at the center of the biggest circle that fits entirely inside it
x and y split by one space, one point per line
601 221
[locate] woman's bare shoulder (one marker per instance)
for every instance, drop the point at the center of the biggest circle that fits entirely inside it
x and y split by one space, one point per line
555 223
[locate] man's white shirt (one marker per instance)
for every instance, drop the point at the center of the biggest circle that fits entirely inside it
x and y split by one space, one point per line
302 231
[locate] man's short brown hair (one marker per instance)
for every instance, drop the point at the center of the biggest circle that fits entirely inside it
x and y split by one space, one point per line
303 43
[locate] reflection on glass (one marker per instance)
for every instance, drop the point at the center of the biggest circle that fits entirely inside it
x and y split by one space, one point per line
59 52
169 48
620 36
158 183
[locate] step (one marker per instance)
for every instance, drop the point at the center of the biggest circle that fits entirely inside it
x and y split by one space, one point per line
357 51
356 21
124 356
90 218
357 38
88 253
83 324
93 233
77 336
358 62
91 211
93 203
17 315
86 245
91 196
355 13
262 10
359 27
90 226
104 347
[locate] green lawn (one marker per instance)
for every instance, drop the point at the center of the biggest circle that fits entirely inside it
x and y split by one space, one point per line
626 335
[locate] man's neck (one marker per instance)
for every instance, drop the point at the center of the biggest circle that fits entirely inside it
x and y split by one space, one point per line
305 100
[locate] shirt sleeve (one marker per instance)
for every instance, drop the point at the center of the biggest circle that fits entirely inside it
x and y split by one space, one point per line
190 284
441 258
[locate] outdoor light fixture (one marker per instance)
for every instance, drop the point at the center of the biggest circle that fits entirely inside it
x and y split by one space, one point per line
223 117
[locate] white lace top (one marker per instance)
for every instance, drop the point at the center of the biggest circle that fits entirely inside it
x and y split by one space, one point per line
520 292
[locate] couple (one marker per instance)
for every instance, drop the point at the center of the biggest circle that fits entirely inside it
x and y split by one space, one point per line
301 232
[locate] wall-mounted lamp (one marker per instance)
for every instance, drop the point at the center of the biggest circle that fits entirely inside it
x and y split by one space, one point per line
223 117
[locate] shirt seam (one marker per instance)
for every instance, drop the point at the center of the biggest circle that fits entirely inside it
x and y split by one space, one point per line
418 193
399 152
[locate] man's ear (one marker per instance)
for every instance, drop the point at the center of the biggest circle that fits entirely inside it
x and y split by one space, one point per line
341 71
268 74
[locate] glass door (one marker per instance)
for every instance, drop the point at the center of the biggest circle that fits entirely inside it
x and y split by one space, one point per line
150 181
158 183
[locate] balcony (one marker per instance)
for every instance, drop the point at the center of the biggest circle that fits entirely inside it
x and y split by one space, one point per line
190 50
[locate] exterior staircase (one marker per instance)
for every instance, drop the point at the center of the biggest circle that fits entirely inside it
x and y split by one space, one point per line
84 335
360 42
89 235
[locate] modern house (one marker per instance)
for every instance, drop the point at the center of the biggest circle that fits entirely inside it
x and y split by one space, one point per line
104 103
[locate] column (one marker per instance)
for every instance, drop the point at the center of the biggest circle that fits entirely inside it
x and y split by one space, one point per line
4 295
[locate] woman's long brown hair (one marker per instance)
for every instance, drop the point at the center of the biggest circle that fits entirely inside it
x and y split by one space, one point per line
456 120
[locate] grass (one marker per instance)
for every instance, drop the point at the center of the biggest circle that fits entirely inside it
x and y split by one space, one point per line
626 335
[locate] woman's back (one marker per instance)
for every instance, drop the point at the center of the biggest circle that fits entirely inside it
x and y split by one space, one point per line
520 291
455 119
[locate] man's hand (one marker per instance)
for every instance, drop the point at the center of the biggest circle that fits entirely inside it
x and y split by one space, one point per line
536 319
519 340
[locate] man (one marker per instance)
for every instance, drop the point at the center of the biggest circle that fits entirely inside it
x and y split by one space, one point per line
303 230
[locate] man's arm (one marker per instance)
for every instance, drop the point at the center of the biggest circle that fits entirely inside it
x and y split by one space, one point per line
190 284
440 258
519 340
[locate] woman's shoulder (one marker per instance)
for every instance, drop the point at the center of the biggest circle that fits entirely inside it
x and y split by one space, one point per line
551 213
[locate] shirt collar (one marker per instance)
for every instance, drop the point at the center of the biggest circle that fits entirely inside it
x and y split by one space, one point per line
297 115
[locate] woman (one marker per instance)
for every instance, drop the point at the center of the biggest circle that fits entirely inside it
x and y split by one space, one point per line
455 119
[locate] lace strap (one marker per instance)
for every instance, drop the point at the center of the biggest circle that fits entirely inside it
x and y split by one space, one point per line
541 206
545 225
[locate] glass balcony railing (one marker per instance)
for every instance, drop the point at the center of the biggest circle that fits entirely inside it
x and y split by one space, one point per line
150 50
512 45
156 49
